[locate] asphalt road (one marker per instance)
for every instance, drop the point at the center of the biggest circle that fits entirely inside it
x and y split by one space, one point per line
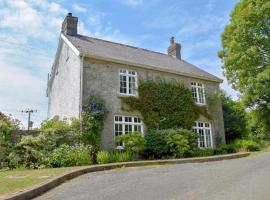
246 178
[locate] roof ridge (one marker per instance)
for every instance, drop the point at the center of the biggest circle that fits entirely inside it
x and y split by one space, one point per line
127 45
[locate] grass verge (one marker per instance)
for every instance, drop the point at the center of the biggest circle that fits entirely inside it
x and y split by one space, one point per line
12 181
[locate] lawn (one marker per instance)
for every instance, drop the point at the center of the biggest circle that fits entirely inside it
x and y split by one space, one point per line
17 180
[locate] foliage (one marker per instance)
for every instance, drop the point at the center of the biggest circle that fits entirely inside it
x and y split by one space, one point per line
33 150
234 115
178 144
93 116
123 156
155 145
257 124
203 152
171 142
5 130
225 149
57 125
13 123
104 157
134 142
165 104
7 124
67 156
247 145
246 54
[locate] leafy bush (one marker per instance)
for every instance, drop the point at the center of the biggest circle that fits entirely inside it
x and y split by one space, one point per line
123 156
155 145
56 125
225 149
33 150
247 145
203 152
134 142
104 157
67 156
171 142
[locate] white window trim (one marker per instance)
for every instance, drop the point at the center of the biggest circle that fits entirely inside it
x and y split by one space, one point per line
204 133
127 80
123 123
196 86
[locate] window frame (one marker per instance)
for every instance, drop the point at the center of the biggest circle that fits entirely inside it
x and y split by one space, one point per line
196 128
131 123
197 99
128 73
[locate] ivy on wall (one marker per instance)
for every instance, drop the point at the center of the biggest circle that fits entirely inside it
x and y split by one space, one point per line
164 105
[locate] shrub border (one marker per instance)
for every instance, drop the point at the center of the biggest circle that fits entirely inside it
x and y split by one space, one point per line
41 189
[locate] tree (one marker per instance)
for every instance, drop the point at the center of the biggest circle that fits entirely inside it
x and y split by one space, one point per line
235 123
246 55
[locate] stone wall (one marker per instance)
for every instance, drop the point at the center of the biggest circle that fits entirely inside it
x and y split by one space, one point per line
18 134
102 79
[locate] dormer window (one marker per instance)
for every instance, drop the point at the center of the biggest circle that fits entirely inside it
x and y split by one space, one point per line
198 93
128 82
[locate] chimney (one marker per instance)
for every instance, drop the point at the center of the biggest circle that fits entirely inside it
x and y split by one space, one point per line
69 25
174 49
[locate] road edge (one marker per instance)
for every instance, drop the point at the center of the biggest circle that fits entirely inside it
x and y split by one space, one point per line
41 189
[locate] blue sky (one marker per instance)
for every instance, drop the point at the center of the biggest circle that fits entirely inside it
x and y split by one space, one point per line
29 33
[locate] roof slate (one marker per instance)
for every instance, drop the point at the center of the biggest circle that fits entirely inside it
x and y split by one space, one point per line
89 46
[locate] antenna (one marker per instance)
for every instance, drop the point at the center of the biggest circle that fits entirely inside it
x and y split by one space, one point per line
30 123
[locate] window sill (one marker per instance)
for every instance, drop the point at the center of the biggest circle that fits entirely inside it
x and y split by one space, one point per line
200 104
127 95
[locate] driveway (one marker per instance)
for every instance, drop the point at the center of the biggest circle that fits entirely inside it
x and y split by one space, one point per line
246 178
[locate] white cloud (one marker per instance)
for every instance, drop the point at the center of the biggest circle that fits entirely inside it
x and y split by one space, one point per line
29 35
78 8
39 19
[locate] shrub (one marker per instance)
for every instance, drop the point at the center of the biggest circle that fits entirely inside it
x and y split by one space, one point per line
103 157
33 150
155 145
14 160
225 149
134 142
203 152
171 142
67 156
56 125
178 145
123 156
247 145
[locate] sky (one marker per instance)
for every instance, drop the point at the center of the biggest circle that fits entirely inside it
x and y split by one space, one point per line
30 30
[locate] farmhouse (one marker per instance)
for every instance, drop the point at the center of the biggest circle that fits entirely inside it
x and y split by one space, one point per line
85 66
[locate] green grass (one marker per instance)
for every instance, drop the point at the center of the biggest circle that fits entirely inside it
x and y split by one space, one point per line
12 181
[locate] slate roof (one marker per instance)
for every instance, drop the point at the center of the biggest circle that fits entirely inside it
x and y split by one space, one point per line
89 46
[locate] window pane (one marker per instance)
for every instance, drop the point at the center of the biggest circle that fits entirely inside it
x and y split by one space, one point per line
208 138
201 138
123 84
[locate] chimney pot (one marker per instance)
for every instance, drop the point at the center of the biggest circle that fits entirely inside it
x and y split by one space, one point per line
70 14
